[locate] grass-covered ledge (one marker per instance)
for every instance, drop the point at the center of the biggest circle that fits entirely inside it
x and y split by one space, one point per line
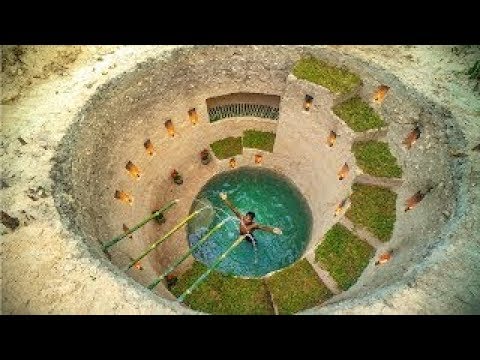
259 140
223 294
375 158
343 255
228 147
358 115
297 288
337 80
373 207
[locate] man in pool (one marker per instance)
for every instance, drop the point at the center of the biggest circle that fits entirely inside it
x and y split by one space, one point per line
247 225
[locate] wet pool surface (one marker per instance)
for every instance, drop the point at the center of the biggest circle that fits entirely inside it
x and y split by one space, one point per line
276 202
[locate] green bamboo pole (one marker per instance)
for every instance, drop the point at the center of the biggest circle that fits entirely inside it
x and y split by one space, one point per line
187 254
211 268
165 237
139 225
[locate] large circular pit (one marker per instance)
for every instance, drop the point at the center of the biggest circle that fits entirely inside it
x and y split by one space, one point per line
347 135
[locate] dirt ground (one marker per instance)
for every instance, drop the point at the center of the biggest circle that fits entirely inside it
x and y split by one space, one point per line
437 71
42 271
24 67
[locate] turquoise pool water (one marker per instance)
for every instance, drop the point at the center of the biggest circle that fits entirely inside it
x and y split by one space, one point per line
276 202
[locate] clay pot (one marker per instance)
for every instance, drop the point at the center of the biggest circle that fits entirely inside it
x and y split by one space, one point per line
178 180
206 160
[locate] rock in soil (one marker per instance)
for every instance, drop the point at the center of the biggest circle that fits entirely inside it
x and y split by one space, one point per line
10 222
23 142
36 193
3 184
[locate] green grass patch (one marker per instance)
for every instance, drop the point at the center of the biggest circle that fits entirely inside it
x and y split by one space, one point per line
227 147
223 294
375 158
374 208
343 255
358 115
297 288
337 80
259 140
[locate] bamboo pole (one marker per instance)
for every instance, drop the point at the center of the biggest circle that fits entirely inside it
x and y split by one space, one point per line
139 225
165 237
187 254
211 268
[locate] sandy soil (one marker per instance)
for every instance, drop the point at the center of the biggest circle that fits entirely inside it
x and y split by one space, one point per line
437 71
43 87
24 67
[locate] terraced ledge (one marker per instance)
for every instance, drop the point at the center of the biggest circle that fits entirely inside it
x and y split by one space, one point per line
262 140
389 183
340 81
374 208
224 294
297 288
228 147
358 115
375 158
343 255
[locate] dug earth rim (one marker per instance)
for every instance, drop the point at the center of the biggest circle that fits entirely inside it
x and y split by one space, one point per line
176 69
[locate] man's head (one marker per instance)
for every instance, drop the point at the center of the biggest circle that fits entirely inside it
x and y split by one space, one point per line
249 216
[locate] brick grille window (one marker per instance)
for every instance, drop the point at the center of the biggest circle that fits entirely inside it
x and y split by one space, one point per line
243 110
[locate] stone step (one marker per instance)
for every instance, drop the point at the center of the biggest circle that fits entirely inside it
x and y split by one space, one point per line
324 275
362 233
272 301
390 183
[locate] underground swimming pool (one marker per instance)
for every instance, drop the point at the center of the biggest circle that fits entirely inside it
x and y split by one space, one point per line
276 202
